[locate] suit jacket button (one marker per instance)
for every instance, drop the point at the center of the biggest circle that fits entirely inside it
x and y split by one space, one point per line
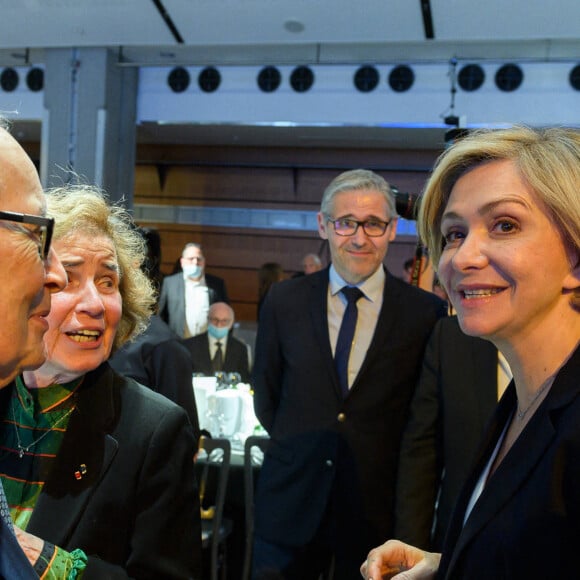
341 417
329 463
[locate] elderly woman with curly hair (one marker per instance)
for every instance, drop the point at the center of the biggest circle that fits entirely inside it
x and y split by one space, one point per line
97 469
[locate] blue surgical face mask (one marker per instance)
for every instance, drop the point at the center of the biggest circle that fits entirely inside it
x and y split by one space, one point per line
193 271
218 332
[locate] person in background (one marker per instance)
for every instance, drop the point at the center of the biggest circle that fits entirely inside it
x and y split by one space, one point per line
152 264
156 357
98 470
187 295
408 270
311 263
217 350
335 415
461 381
30 272
268 274
501 218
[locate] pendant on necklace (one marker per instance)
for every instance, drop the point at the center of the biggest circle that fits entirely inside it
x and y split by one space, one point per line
20 452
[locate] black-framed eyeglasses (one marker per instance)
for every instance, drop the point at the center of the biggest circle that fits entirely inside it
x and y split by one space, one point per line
348 227
45 228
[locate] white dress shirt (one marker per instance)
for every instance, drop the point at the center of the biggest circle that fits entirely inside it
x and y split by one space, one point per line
369 307
196 306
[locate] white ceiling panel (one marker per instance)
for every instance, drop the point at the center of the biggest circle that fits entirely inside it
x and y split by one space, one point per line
289 21
52 23
506 19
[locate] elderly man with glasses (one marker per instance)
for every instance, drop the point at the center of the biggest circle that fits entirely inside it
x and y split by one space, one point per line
337 358
29 273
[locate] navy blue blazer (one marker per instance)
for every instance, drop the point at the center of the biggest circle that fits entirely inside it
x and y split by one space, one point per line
526 523
321 443
454 401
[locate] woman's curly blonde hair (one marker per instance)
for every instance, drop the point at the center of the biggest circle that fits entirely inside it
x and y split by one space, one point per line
85 209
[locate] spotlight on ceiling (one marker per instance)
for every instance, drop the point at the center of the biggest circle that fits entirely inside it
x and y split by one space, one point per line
35 79
509 77
9 80
401 78
366 78
178 79
209 79
471 77
302 79
575 77
269 79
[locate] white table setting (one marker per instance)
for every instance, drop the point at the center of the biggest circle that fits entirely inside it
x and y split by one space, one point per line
225 408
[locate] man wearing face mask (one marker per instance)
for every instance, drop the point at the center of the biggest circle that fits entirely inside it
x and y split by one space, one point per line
186 296
217 350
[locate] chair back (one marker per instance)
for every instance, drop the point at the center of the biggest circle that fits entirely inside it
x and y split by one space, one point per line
250 463
214 460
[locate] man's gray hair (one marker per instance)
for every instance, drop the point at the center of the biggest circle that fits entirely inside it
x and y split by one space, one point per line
357 179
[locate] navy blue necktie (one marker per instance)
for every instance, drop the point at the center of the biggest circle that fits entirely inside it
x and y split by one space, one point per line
346 335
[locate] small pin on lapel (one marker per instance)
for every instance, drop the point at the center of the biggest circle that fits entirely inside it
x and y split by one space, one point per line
82 470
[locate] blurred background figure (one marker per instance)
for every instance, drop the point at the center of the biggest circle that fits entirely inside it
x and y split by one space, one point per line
311 263
152 264
187 295
157 358
408 270
268 274
82 445
216 350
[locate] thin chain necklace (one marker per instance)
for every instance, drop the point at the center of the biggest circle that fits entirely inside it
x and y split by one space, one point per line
25 449
547 383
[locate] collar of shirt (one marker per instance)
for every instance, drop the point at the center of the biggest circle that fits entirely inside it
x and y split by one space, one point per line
372 287
191 282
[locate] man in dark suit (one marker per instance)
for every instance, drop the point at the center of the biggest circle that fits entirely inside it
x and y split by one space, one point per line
335 404
217 350
187 295
457 393
158 360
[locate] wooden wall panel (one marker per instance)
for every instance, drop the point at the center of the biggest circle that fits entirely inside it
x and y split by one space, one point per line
229 183
147 184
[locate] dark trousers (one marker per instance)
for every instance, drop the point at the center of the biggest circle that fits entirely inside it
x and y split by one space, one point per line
336 552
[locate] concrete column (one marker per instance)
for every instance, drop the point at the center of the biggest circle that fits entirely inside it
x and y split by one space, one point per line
88 129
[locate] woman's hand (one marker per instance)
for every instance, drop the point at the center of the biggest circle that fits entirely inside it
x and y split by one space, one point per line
31 545
399 561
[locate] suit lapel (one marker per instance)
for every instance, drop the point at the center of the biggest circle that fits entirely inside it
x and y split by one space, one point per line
86 446
516 467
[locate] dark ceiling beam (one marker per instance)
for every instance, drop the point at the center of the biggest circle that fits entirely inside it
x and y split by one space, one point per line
427 19
168 20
